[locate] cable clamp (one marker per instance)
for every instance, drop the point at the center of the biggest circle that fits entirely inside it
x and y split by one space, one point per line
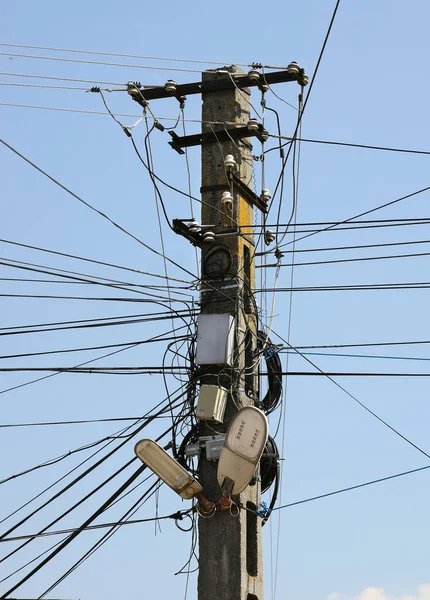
278 254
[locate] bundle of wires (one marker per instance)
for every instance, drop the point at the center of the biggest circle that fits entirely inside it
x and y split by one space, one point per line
272 398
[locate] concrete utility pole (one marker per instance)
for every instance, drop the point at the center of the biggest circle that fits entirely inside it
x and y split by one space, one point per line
230 551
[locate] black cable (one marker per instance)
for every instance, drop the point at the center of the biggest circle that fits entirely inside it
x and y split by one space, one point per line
93 208
29 539
272 398
362 214
359 287
301 113
76 422
87 348
117 285
358 247
367 409
113 529
73 535
351 145
346 260
353 487
92 323
149 418
359 345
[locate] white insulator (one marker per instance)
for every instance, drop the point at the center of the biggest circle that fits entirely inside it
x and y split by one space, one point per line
265 195
227 201
170 86
254 75
293 68
304 80
193 226
229 162
253 125
264 87
269 237
209 236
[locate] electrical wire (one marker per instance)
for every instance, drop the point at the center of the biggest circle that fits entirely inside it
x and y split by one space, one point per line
366 212
355 288
92 207
330 376
49 77
99 62
353 487
91 260
351 145
113 54
73 535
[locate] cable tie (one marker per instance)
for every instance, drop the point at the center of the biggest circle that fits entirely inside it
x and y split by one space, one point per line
269 352
95 89
264 511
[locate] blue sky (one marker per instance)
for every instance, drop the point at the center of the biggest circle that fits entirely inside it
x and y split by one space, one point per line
371 88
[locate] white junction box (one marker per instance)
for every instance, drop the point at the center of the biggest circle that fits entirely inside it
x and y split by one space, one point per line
211 403
215 339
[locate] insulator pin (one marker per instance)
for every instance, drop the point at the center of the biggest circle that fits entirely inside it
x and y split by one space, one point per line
209 237
254 75
170 86
293 68
229 162
269 237
253 125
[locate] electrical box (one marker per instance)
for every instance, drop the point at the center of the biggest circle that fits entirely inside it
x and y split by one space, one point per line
215 339
214 447
192 450
211 403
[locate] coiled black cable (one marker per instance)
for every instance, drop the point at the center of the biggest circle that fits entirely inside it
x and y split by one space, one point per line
272 398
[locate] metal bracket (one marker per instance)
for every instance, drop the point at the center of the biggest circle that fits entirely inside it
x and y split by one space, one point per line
236 80
227 486
240 187
213 137
246 192
196 238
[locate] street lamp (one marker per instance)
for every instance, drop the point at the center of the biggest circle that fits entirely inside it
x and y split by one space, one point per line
167 469
244 444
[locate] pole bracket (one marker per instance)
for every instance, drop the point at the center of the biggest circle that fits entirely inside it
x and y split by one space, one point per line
247 193
219 136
